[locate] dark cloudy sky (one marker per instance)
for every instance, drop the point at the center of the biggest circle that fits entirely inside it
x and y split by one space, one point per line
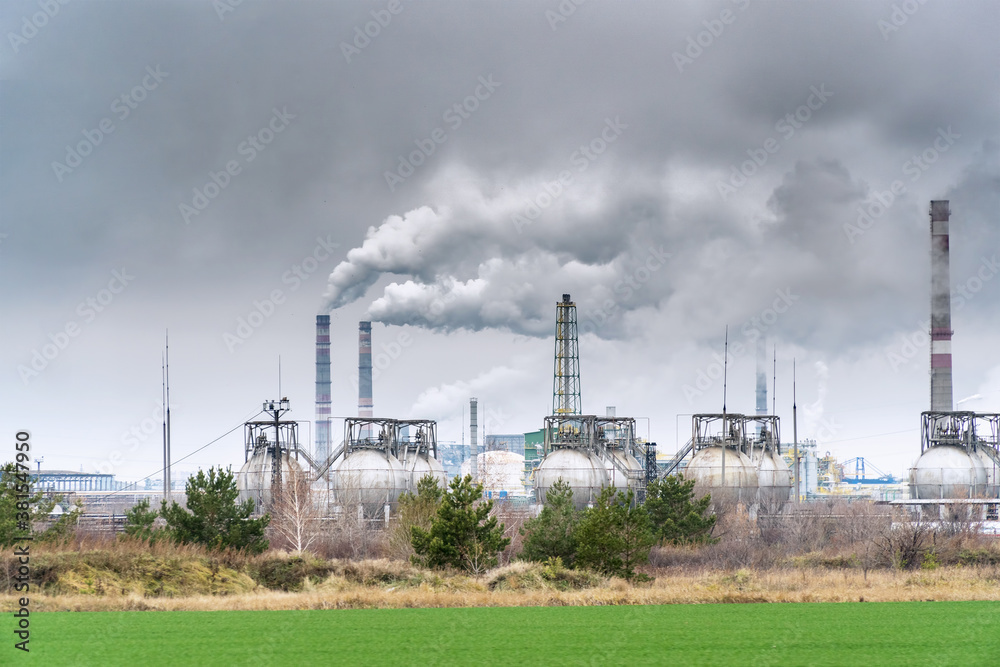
451 174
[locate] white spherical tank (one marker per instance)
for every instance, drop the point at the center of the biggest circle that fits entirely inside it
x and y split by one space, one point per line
992 469
625 471
416 467
947 471
254 479
582 470
368 477
728 474
774 479
500 472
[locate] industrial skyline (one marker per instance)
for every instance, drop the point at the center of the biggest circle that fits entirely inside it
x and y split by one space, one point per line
233 177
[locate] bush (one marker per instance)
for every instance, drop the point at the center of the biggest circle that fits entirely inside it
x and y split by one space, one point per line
551 534
16 521
614 535
214 516
462 534
675 516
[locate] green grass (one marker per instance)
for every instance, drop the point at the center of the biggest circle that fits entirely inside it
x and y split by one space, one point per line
900 633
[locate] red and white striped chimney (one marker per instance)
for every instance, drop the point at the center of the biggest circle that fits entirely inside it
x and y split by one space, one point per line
941 390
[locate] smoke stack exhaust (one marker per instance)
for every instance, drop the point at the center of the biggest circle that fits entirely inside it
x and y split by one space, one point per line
322 445
364 369
761 380
941 390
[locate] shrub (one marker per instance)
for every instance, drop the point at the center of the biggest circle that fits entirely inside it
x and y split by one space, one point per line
675 516
551 534
214 516
614 535
462 534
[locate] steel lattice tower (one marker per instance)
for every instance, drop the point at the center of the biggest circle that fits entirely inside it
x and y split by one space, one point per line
566 383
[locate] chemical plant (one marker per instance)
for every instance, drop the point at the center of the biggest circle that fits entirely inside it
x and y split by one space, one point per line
737 458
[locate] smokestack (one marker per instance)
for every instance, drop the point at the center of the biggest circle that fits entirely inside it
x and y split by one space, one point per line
322 445
761 379
941 391
364 369
473 428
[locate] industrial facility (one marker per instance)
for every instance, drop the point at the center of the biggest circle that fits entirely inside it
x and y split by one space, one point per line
959 451
737 458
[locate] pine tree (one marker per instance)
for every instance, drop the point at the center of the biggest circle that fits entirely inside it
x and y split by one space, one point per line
139 521
676 517
22 511
214 517
462 534
551 533
614 535
414 510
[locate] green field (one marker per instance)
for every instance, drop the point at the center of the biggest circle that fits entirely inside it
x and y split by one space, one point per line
905 633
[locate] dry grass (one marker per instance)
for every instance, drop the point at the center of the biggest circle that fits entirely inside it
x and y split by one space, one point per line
342 590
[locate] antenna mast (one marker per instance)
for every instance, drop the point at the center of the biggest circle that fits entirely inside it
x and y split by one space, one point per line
795 434
725 372
166 390
774 383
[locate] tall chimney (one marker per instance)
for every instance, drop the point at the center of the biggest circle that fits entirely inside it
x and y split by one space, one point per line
364 369
473 428
941 391
761 380
322 445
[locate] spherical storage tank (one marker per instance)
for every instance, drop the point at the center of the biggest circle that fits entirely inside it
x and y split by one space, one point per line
774 479
947 471
992 469
368 477
624 471
728 474
254 478
417 467
581 469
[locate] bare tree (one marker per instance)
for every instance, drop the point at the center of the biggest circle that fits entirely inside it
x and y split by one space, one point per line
294 513
865 527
